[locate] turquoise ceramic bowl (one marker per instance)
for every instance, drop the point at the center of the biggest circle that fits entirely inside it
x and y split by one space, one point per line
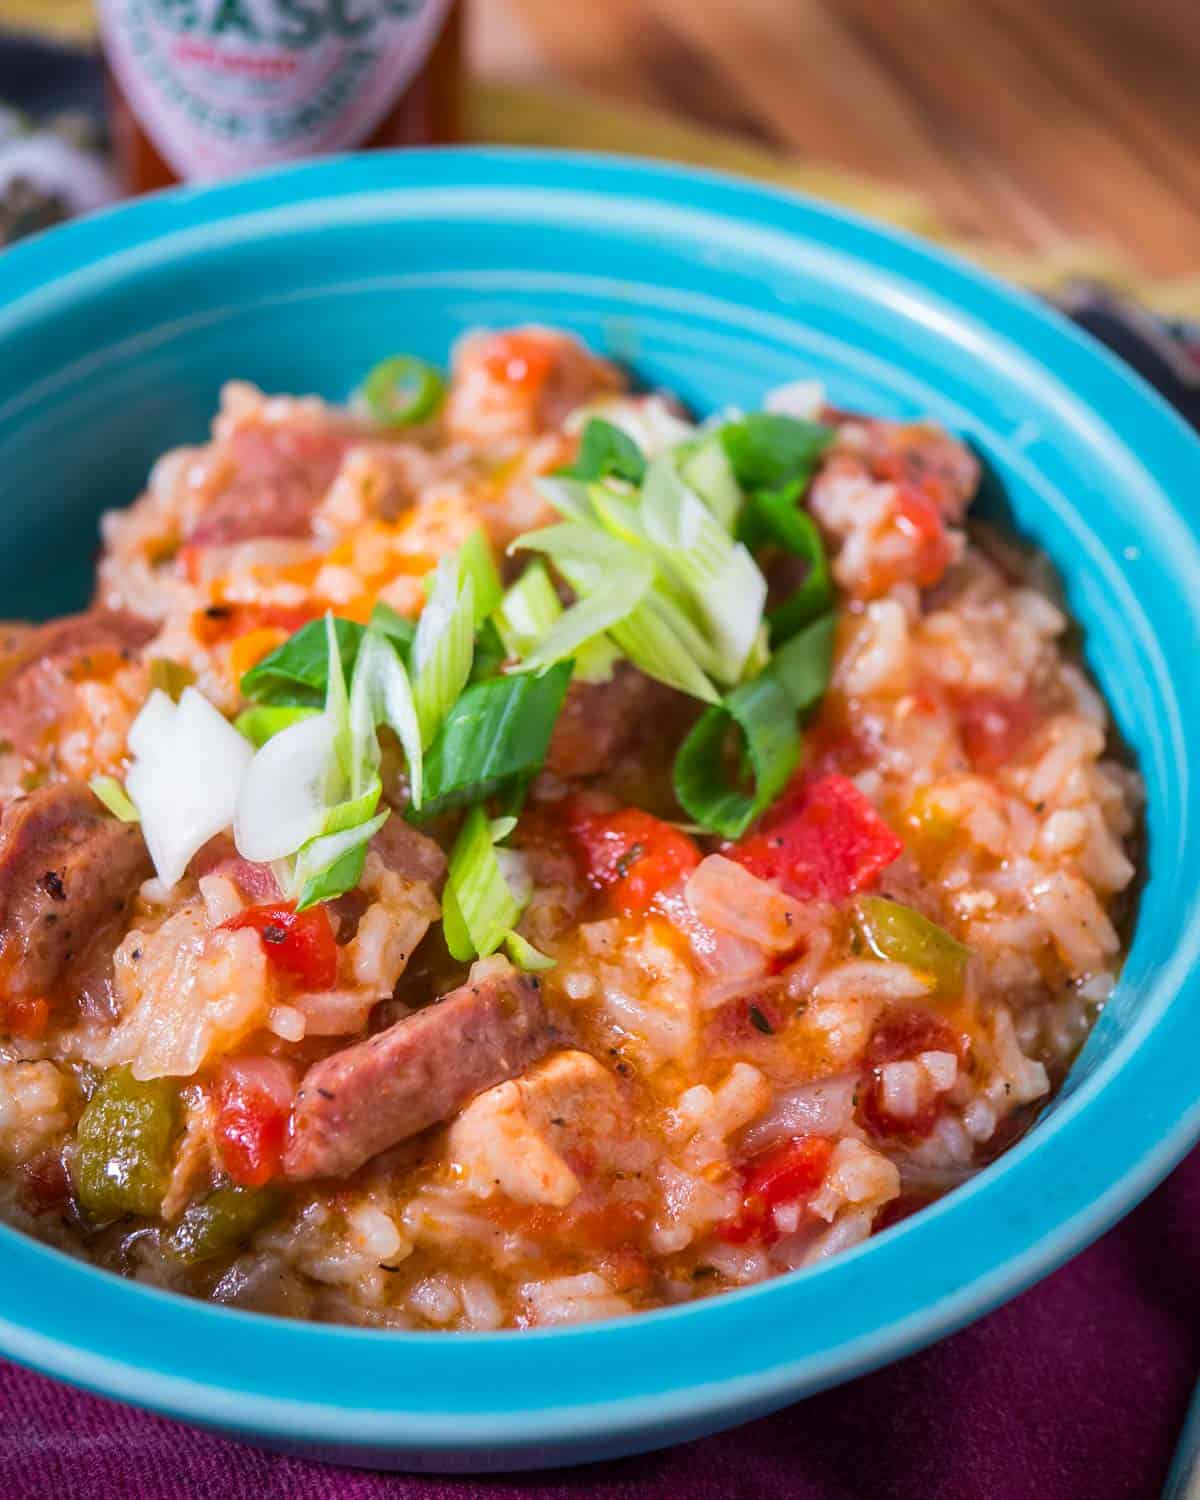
114 337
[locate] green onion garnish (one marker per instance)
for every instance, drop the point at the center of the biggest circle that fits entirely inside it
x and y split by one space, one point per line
775 516
403 391
592 616
705 466
444 646
479 907
496 733
262 721
711 773
604 451
297 672
114 796
527 611
803 665
768 450
476 562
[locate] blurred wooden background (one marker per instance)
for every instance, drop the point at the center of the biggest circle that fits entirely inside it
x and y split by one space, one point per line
1028 122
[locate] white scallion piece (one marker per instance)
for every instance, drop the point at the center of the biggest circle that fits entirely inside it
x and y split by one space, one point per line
189 765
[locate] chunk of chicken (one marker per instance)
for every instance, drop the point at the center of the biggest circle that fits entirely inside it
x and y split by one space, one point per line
532 1137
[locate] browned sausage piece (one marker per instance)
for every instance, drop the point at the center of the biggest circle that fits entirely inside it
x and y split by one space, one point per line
67 874
600 720
419 1072
275 478
413 855
39 669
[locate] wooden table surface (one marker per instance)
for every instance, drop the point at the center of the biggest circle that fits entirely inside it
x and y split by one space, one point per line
1028 122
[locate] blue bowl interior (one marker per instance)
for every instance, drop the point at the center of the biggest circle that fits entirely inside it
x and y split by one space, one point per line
115 337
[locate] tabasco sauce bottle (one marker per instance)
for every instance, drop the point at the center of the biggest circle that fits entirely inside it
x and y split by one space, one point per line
213 88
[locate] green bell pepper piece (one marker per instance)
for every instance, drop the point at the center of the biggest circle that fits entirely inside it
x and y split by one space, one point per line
902 935
221 1223
124 1139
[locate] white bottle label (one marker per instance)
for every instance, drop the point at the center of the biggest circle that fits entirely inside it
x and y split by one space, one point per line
224 86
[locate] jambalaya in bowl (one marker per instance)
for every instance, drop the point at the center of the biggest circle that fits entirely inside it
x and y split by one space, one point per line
503 853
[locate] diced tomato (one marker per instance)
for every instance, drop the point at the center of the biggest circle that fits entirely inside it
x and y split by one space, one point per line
917 516
524 357
903 1033
27 1016
825 840
994 728
253 1097
785 1174
631 855
301 944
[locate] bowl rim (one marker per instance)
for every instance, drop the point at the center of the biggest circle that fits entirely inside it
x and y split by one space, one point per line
595 1365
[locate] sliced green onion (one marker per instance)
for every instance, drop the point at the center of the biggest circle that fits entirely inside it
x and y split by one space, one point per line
525 956
352 811
287 791
398 628
443 648
762 716
382 694
606 450
802 667
188 768
337 702
595 659
760 654
719 574
572 498
767 449
115 798
329 866
498 731
586 556
650 638
476 562
592 616
479 908
775 516
490 652
297 672
705 468
402 391
620 515
265 720
527 611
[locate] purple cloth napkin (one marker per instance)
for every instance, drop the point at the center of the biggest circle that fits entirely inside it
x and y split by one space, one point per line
1076 1389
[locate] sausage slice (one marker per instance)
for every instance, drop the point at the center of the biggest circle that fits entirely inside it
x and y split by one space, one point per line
67 875
600 720
360 1101
39 667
